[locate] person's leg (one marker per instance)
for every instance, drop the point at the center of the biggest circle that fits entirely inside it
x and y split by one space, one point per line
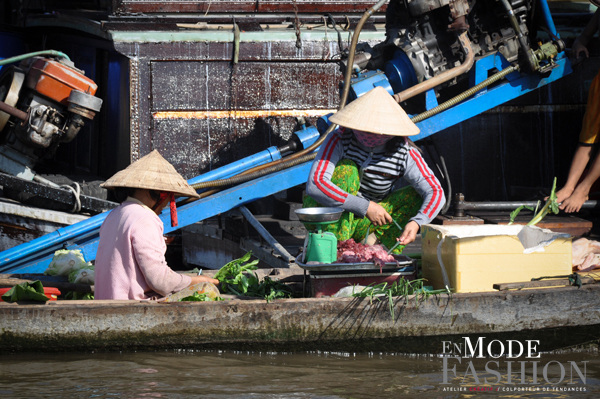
402 205
581 192
583 154
580 160
345 176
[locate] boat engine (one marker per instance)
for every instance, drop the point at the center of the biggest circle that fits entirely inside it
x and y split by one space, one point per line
43 102
426 38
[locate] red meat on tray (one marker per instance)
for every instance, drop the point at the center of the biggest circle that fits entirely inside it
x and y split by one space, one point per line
350 251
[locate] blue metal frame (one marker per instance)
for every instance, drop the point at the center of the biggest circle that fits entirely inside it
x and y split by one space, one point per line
515 85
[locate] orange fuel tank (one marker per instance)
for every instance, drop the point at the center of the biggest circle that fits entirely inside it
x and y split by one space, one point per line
56 81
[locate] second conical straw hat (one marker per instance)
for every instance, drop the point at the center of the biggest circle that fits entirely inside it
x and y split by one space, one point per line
376 112
152 172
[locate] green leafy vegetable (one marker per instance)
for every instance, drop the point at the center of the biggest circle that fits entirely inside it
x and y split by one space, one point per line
64 262
513 214
82 276
76 296
550 206
236 278
197 297
26 292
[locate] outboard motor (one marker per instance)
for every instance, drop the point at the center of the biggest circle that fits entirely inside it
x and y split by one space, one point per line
43 102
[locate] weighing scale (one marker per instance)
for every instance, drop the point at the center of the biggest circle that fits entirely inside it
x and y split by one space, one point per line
319 246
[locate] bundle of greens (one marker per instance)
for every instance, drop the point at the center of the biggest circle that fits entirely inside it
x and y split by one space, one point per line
550 206
79 296
400 288
236 278
197 297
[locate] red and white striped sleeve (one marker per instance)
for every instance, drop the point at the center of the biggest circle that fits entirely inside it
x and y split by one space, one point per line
319 185
421 177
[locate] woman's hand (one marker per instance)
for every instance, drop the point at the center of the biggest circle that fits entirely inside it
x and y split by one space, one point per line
410 233
377 214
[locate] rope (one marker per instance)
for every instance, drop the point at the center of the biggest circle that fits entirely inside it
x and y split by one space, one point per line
77 192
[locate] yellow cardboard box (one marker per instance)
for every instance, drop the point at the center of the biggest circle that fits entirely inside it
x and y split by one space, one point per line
476 257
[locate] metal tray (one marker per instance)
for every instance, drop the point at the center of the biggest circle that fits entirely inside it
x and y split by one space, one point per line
403 262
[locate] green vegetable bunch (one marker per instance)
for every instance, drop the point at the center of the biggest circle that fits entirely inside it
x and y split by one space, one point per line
197 297
236 278
400 288
79 296
550 206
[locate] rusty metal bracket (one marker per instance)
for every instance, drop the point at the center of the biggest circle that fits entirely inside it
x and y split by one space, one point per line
90 204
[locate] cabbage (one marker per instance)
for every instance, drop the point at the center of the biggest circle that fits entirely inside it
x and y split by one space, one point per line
83 276
64 262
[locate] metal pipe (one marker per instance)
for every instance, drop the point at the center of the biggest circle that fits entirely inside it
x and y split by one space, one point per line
529 56
269 155
548 17
460 205
443 77
36 53
17 113
265 234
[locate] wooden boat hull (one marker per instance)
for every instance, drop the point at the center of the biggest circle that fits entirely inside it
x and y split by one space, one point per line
557 317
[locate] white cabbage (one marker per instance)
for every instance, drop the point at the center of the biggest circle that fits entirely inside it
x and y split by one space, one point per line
64 262
83 276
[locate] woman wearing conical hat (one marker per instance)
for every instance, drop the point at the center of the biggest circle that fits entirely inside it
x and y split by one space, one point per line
359 165
130 261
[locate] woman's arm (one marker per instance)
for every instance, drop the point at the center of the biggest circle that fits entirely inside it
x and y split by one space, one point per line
418 174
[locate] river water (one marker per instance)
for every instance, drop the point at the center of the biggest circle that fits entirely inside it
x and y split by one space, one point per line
228 374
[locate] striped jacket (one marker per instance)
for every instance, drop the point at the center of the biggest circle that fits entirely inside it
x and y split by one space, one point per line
378 173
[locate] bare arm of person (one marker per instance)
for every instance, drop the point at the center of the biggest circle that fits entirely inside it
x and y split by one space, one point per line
579 47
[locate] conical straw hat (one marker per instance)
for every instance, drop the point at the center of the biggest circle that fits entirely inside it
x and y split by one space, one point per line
152 172
376 112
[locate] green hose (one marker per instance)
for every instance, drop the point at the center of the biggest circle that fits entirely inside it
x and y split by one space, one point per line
29 55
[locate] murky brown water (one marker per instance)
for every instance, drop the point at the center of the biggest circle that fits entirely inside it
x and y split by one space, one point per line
200 374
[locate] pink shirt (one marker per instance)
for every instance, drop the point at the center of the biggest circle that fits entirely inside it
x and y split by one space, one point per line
130 261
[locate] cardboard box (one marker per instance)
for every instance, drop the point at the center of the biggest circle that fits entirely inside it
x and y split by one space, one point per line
476 257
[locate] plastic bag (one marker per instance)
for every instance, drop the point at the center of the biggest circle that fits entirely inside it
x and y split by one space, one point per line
83 276
64 262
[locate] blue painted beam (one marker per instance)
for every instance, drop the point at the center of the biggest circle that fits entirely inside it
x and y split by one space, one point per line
187 214
488 99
